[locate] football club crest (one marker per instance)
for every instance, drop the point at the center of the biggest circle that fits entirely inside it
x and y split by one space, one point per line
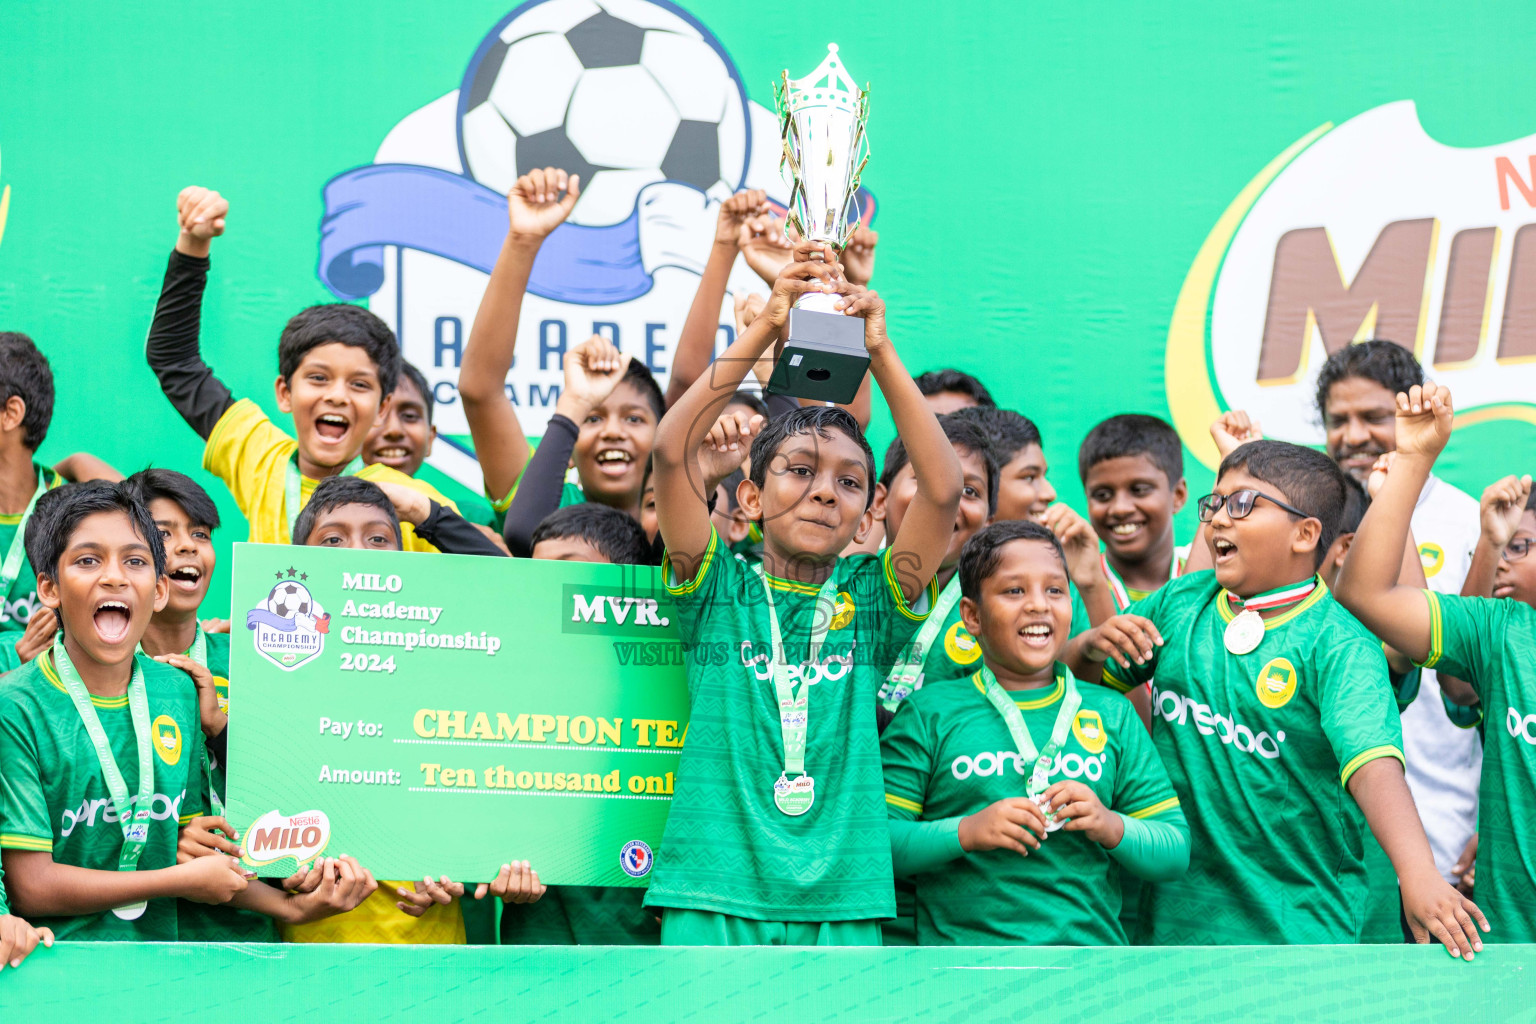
1088 727
635 858
1433 557
289 628
167 738
842 612
1276 683
961 647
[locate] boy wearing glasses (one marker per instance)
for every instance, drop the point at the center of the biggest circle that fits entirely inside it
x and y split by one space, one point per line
1272 711
1484 641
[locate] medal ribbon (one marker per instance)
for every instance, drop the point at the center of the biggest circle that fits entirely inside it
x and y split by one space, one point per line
1117 587
11 567
293 487
198 652
133 816
1002 700
907 674
795 712
1291 593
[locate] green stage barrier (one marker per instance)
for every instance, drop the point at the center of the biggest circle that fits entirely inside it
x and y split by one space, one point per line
155 982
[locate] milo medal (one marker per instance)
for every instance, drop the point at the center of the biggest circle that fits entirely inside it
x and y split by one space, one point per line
1052 823
794 796
1245 632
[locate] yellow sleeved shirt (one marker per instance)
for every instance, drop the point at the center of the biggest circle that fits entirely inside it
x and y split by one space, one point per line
377 919
251 454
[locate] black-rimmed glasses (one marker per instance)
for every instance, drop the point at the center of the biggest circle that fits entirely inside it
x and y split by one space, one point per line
1240 503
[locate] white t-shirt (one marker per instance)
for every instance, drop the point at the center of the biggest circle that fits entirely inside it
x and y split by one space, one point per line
1444 761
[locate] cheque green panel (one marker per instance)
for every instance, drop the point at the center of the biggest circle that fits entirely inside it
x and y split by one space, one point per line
635 985
382 701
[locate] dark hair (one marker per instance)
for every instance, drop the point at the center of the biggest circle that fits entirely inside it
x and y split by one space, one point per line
616 534
820 420
1133 434
638 374
1355 504
1385 362
337 491
732 503
1530 503
342 324
1307 479
935 381
149 484
962 433
750 400
1009 432
25 374
59 513
419 381
982 553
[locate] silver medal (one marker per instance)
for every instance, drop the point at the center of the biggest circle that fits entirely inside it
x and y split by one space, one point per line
1245 632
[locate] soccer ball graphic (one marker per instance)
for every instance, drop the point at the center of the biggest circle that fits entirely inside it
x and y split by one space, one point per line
622 92
290 599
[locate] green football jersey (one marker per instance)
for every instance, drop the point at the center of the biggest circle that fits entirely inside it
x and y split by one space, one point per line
56 800
1491 643
1260 747
727 848
948 754
584 915
202 922
18 604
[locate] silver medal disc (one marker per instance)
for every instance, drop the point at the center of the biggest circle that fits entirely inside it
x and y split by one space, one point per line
1245 632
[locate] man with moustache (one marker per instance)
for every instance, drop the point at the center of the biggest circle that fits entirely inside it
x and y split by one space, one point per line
1356 392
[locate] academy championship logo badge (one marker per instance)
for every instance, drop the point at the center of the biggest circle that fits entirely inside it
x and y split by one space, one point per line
290 626
275 835
1370 229
635 858
635 96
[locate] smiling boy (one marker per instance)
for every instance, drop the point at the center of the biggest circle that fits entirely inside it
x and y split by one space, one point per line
1276 721
1132 469
96 762
979 774
777 833
337 366
404 434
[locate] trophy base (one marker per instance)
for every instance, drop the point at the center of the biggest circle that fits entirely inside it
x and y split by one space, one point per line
824 358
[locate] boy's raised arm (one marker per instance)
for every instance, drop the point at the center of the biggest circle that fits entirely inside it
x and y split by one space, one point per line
1368 584
681 501
696 343
172 345
929 522
535 208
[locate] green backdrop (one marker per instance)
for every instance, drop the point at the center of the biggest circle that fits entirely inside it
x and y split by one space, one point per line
1046 173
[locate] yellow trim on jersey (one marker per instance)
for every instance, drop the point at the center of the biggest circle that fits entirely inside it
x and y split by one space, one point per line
185 819
902 605
1028 705
792 586
14 520
1114 682
1436 631
1157 808
1224 605
903 803
12 841
1365 756
52 676
698 577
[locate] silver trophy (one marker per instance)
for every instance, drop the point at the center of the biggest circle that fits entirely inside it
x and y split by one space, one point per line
825 150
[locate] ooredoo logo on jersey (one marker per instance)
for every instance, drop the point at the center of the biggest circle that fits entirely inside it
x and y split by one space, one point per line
290 626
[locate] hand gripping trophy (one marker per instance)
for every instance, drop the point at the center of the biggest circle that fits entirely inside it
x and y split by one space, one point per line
825 150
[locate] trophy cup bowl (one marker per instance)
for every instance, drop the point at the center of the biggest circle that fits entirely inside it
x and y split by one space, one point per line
823 117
